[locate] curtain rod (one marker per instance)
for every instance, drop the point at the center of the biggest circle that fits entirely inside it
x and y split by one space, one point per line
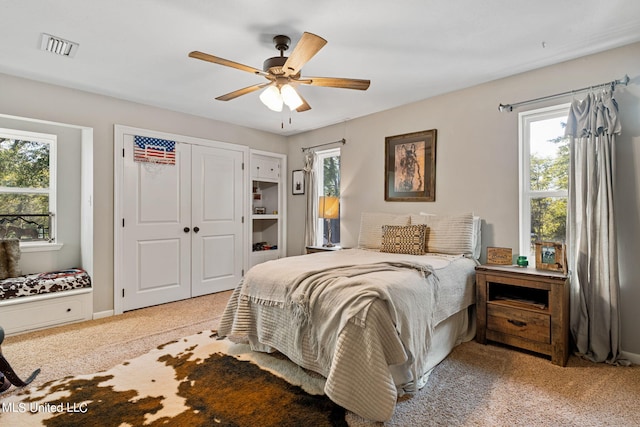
509 107
343 141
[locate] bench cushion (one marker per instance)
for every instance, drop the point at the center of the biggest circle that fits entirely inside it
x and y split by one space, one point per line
43 283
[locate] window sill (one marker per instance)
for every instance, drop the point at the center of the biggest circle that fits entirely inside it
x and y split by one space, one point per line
40 247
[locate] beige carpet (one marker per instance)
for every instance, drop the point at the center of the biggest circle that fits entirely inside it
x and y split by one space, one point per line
95 345
476 385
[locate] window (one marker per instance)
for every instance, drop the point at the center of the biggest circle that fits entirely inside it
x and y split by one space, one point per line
328 179
27 185
544 175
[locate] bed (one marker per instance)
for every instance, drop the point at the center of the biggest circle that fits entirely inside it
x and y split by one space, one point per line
373 320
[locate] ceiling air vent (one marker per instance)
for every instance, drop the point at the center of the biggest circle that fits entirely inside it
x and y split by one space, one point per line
58 46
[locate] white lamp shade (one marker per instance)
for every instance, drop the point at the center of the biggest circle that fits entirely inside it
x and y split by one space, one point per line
290 97
271 98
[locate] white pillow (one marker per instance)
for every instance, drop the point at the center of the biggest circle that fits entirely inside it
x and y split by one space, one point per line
477 234
448 234
371 223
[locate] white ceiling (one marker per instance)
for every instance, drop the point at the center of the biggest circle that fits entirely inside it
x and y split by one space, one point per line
409 49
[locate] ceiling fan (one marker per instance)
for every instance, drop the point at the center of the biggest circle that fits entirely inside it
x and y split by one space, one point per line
283 74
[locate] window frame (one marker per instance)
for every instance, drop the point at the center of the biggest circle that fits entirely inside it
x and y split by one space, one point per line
321 155
52 140
525 193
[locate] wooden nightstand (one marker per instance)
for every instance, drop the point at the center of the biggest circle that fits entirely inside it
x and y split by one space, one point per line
525 308
314 249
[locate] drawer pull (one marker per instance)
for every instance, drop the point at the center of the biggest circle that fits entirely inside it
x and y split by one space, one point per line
517 323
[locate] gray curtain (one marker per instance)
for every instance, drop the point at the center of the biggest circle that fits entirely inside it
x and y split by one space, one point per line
311 219
591 232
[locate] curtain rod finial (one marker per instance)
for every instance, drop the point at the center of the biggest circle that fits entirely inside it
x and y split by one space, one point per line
505 108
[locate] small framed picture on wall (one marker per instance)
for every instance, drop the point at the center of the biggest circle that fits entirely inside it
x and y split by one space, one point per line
297 182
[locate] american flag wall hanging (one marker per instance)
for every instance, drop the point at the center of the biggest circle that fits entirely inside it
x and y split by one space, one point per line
154 150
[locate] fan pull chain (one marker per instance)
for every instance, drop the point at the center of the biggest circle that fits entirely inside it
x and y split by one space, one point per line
282 121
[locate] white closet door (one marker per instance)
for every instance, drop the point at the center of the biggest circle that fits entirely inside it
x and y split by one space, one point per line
217 210
156 248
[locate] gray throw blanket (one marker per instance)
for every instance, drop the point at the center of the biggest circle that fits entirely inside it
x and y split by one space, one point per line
324 301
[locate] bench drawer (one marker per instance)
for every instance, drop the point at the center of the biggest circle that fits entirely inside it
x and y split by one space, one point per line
521 323
45 310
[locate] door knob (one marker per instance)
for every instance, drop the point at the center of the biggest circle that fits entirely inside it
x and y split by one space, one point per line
196 229
186 229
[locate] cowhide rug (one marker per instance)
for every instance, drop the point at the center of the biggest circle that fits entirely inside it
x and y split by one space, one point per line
197 381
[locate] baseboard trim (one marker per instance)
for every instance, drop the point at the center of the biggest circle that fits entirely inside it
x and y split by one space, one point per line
631 357
101 314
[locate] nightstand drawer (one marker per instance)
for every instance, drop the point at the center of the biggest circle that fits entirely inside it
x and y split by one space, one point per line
521 323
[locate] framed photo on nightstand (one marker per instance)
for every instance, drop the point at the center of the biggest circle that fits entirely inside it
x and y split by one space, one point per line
551 256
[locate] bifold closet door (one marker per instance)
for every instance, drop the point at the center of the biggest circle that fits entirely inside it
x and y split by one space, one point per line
183 229
217 204
157 229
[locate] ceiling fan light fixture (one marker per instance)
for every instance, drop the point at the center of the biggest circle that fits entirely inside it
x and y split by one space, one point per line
283 74
271 98
290 97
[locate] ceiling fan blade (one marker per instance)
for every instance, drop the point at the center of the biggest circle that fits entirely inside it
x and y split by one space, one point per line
306 48
305 105
236 93
221 61
338 82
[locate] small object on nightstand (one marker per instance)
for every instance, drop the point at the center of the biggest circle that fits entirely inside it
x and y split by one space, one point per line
522 261
500 256
314 249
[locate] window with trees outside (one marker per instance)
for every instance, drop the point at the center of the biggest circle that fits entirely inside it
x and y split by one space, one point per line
328 179
27 185
544 177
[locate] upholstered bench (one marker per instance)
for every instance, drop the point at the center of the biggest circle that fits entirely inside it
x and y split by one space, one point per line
36 301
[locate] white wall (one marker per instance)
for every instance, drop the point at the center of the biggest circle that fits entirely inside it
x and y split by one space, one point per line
477 160
31 99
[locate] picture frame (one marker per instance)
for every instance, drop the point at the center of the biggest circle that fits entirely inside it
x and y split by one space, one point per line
297 182
551 256
410 167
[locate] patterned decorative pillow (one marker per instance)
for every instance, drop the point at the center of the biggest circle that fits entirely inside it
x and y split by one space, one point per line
371 223
403 239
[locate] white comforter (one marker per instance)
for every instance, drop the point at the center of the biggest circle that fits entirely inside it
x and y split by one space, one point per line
354 316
